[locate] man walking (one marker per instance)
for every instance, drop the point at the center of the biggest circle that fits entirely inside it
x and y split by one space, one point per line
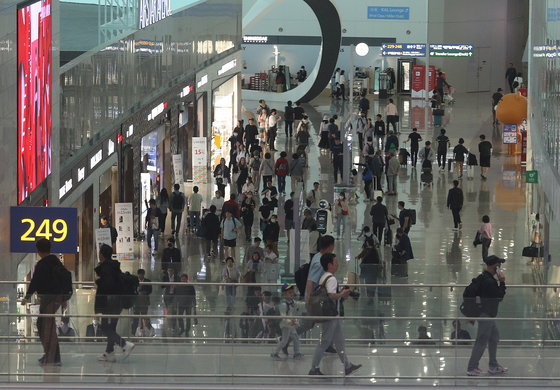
142 300
337 159
455 203
511 73
108 301
331 329
485 150
289 118
50 301
496 97
361 126
414 139
195 207
379 215
491 292
176 205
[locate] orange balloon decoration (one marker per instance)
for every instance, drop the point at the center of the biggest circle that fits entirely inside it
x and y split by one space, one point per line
512 109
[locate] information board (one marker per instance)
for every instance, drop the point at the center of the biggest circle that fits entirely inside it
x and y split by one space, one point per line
124 224
451 50
391 13
509 135
57 224
403 49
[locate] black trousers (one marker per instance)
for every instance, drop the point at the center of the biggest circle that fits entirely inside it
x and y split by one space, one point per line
378 231
361 141
288 127
441 158
138 310
413 156
186 325
337 168
266 178
367 188
109 326
456 216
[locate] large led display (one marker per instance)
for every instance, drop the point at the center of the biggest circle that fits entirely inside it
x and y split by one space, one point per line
34 95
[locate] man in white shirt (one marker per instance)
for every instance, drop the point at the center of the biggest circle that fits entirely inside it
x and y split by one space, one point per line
331 330
195 207
272 128
392 115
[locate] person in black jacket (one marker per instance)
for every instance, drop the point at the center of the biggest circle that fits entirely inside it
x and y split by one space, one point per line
107 301
455 203
94 330
271 234
50 301
171 257
379 215
210 225
491 293
143 299
104 223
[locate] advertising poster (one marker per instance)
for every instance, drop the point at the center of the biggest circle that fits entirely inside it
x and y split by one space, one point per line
509 136
146 187
124 223
102 236
199 159
178 177
34 96
418 81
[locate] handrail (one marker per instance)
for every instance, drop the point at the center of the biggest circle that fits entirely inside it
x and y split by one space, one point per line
416 285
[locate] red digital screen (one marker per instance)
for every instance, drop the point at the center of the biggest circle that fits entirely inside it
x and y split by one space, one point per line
34 96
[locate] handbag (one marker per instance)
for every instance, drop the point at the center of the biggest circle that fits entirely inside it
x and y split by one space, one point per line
320 304
477 239
532 251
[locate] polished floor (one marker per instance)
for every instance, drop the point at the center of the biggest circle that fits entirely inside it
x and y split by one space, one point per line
441 256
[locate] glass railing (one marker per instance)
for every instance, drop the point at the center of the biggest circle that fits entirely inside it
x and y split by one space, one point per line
226 333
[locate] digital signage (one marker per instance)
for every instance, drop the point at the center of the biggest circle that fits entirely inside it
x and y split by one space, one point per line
59 225
403 50
34 95
451 50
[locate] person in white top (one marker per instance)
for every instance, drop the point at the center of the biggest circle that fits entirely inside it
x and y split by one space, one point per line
519 80
331 329
392 115
272 128
218 201
361 126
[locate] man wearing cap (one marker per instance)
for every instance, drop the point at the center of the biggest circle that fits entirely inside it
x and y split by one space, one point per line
491 293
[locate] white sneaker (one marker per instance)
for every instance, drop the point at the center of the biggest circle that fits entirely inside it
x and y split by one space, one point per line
127 349
497 370
475 372
107 357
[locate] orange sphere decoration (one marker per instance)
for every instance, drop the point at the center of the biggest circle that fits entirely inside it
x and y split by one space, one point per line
512 108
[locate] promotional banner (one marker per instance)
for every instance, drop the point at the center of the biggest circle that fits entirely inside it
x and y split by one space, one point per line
102 236
509 136
145 184
418 81
57 224
178 169
124 223
199 159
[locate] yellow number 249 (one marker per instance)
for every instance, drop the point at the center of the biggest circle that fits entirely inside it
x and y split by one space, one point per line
59 227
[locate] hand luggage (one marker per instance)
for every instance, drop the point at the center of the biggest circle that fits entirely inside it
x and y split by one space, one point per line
376 192
388 237
532 251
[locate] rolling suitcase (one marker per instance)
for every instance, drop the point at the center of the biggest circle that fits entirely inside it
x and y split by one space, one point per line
376 193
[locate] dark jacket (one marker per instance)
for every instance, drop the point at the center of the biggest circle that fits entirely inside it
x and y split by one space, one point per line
309 224
170 256
455 198
377 166
379 214
211 224
42 280
144 291
185 295
91 331
404 246
271 232
169 291
107 299
491 293
392 140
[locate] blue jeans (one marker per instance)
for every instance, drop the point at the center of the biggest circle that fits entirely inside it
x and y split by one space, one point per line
155 234
195 219
281 183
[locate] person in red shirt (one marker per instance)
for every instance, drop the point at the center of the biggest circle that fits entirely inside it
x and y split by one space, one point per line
281 169
232 206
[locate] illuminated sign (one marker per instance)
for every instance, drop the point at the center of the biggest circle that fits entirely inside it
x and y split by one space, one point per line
33 96
96 159
542 51
110 147
81 174
65 188
59 225
130 131
185 92
152 11
203 80
451 50
393 13
403 50
255 39
229 66
157 110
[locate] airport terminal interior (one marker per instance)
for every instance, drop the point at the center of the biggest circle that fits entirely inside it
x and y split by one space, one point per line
105 105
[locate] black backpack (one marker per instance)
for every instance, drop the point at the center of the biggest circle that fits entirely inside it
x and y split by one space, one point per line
178 201
129 289
412 216
300 277
470 307
471 159
63 279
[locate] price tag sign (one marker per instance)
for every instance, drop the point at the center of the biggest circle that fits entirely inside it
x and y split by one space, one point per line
59 225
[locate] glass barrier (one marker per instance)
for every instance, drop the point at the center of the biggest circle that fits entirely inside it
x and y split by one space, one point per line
230 334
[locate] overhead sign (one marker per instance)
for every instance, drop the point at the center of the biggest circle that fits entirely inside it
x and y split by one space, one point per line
403 49
451 50
229 66
57 224
255 39
532 177
157 110
509 135
392 13
153 11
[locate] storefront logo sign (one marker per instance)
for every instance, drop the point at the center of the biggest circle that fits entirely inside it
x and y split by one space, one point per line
255 39
203 81
229 66
110 147
185 92
130 131
81 174
65 188
157 110
96 159
152 11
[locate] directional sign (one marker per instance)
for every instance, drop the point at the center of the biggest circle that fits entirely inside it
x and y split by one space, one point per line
398 13
451 50
403 49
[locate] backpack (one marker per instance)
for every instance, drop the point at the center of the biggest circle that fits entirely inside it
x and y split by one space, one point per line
471 159
178 201
129 289
320 304
371 149
412 216
300 277
63 279
470 307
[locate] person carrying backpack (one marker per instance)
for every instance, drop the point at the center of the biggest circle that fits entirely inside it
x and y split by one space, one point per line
108 301
51 282
281 169
489 293
176 205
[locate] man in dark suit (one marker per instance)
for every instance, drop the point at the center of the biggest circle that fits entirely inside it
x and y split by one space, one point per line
142 300
94 330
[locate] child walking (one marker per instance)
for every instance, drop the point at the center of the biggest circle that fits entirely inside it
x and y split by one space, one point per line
288 308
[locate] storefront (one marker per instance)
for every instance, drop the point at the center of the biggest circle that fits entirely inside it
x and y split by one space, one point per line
225 107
